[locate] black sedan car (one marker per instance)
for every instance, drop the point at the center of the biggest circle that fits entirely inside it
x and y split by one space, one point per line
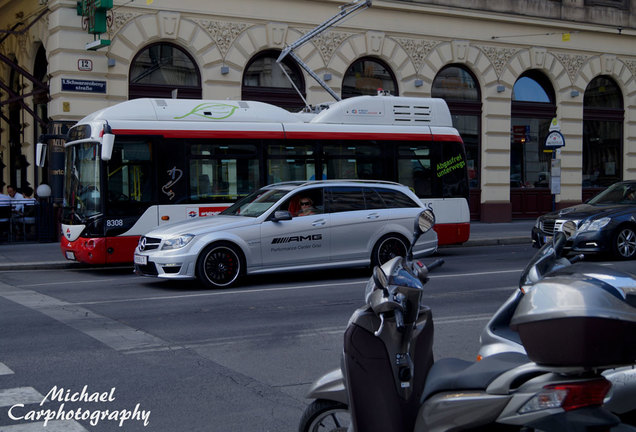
605 224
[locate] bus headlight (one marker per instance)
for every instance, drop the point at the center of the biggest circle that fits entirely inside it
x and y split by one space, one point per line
177 242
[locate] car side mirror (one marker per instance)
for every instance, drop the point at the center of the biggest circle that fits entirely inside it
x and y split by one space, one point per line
281 215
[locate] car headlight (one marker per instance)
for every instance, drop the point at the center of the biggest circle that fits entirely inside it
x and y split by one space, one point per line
537 223
177 242
594 225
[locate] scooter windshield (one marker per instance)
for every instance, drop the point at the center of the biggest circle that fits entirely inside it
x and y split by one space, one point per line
540 264
402 277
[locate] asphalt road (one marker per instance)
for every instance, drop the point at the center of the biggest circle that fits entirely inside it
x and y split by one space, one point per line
182 358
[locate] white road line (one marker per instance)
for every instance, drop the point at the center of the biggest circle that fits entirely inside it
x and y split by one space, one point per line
237 291
19 395
52 426
321 332
4 369
116 335
75 282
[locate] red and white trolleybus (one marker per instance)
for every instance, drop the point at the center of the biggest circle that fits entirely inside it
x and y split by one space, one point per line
147 162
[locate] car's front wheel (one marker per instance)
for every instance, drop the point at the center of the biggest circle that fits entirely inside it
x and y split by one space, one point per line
220 265
389 246
625 243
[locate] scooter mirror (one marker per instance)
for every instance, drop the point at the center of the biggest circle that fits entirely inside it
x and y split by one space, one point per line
379 277
425 221
568 229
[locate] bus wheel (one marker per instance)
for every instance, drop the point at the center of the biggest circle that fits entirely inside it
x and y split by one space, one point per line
389 246
220 265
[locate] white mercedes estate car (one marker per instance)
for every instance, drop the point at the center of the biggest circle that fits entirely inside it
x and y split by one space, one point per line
289 226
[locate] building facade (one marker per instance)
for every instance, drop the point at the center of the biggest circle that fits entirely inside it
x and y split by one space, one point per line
505 68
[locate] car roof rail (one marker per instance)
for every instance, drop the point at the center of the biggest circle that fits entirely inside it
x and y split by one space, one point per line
330 181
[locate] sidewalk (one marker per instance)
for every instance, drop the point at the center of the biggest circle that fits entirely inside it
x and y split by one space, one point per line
27 256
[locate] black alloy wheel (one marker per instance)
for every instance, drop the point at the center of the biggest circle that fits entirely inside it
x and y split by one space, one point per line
219 265
388 247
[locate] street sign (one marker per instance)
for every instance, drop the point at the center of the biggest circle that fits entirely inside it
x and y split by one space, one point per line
86 86
554 140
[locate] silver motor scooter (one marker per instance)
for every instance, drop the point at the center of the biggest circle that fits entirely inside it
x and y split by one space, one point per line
549 262
394 385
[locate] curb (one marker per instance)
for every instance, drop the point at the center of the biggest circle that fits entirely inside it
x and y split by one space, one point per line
492 242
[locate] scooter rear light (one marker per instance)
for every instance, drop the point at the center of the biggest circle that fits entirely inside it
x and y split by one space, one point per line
569 396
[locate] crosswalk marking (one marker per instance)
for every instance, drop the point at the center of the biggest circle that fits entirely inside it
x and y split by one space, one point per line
4 369
19 395
52 426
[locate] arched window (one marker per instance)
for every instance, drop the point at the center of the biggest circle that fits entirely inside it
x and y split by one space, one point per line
365 76
160 68
603 116
460 89
265 81
533 108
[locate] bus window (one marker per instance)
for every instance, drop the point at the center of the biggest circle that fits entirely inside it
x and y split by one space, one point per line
223 171
129 178
289 161
353 160
414 168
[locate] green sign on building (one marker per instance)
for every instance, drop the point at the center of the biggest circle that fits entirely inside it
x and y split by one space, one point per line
95 18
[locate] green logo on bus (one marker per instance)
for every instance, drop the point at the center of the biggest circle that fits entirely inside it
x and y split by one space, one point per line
211 111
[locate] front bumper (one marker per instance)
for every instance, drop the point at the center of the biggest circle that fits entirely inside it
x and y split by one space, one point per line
589 242
182 266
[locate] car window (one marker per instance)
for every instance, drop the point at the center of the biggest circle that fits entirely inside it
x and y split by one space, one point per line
373 200
256 203
618 193
304 203
342 199
396 199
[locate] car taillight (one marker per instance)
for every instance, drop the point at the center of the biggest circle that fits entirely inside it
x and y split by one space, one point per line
568 396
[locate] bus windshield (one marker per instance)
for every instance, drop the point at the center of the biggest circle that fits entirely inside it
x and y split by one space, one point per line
256 203
82 188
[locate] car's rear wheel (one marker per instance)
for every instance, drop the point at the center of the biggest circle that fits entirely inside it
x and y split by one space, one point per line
625 242
389 246
220 265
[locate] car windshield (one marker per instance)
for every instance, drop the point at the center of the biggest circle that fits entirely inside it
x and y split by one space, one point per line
256 203
618 193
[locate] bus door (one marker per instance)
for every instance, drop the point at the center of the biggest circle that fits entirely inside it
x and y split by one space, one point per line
171 184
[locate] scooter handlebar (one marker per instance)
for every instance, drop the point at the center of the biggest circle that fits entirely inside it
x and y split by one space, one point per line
437 263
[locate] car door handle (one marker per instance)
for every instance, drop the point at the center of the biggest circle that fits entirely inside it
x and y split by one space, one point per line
319 222
373 216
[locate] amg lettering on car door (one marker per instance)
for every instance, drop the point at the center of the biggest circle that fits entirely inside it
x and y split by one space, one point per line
299 242
300 238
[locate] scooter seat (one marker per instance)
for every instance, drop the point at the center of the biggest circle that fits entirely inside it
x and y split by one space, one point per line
454 374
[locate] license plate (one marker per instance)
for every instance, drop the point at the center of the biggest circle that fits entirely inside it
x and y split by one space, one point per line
141 259
547 239
70 255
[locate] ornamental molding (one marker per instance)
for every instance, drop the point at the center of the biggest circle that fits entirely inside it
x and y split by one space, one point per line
572 63
499 57
631 65
223 33
328 43
120 19
417 50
